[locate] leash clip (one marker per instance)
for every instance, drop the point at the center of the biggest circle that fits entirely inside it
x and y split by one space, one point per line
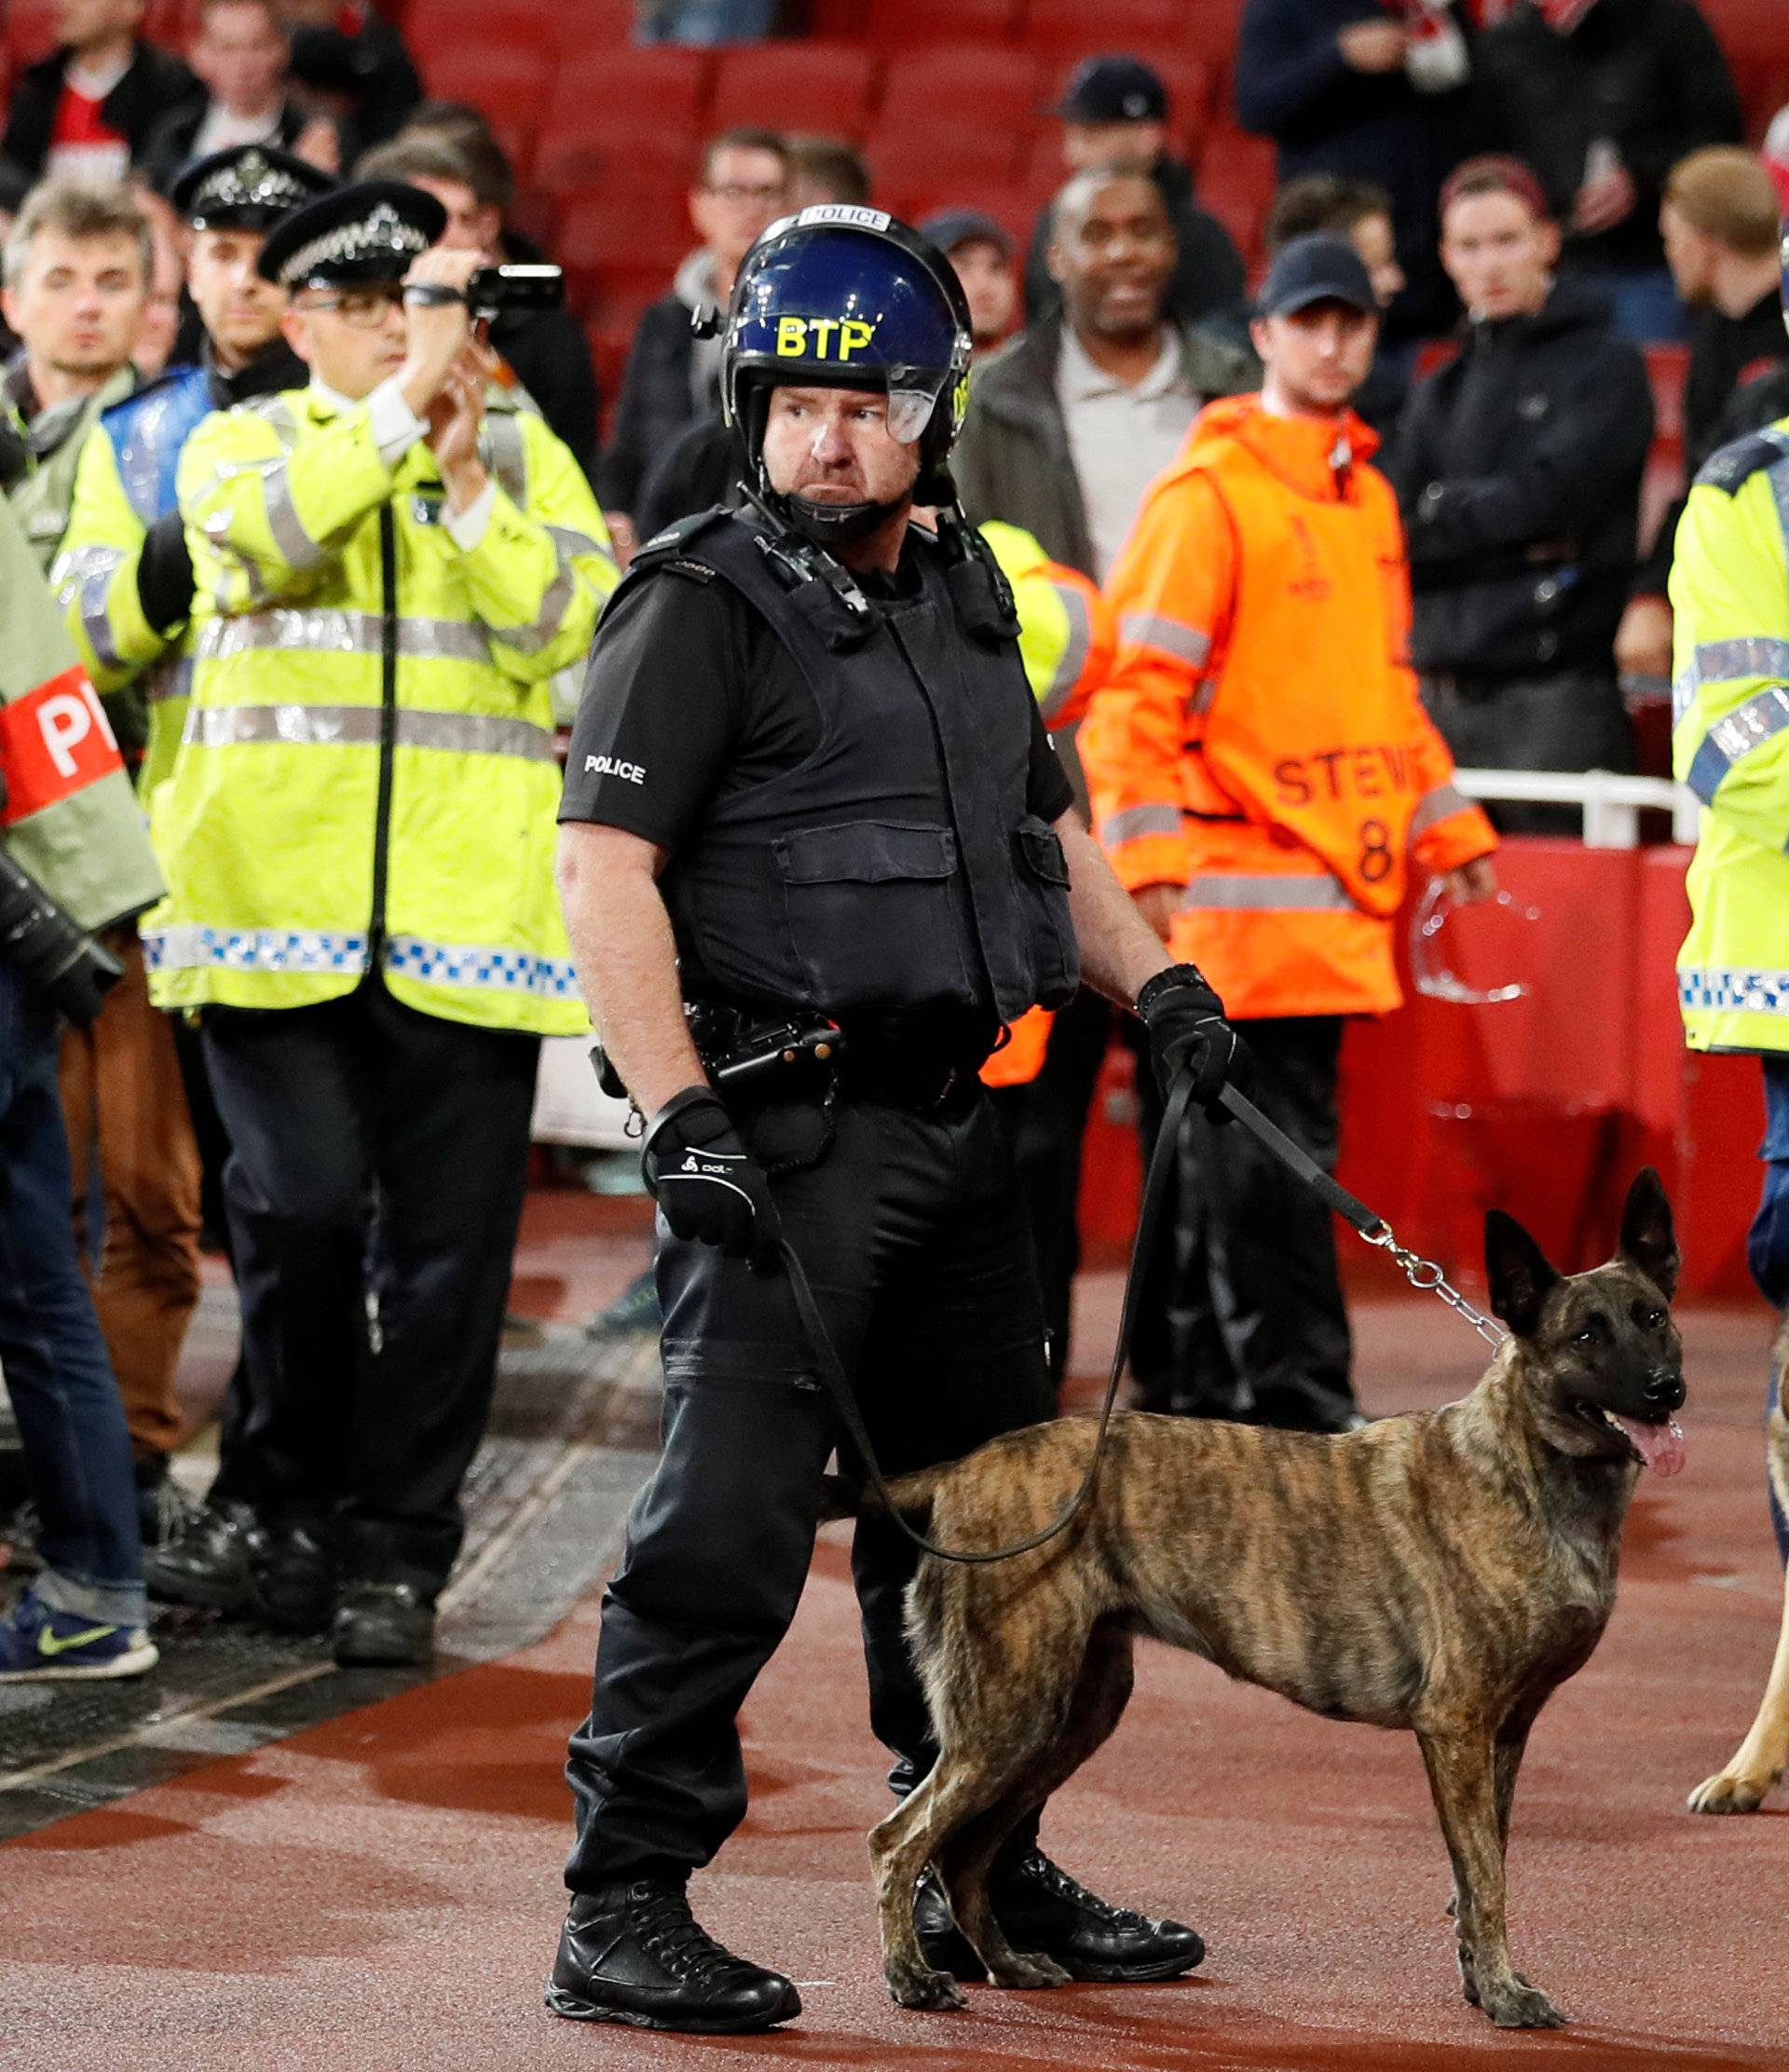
1426 1275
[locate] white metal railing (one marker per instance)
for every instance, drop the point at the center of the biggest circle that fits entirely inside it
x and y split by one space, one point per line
1611 803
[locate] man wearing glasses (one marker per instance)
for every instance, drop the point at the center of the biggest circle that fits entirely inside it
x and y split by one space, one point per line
358 836
672 376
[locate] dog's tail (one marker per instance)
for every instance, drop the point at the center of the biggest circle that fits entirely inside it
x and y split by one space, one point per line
855 1496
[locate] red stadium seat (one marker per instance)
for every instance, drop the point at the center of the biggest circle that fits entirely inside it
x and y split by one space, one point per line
31 29
1237 186
434 27
1666 368
1053 25
914 25
942 161
971 86
659 93
510 86
612 244
822 87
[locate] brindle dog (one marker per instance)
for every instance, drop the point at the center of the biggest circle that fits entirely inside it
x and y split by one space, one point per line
1444 1571
1758 1760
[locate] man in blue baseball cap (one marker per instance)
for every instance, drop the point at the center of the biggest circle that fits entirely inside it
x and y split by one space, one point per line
816 852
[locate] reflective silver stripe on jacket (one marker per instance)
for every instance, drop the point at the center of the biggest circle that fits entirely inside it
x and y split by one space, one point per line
1243 893
1746 992
1747 727
358 726
1074 656
1439 804
1171 636
508 454
503 971
190 946
529 640
569 541
298 549
341 632
1132 820
172 678
86 575
1727 661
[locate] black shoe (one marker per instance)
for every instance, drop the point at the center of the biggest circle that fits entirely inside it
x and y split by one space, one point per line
291 1575
633 1953
203 1560
1044 1911
382 1626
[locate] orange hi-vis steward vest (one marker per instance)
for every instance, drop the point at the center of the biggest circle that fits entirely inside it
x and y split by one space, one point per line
1260 742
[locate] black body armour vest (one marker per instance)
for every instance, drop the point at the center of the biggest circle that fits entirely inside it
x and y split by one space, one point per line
898 867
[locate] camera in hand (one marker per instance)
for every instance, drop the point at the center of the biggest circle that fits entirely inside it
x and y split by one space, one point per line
50 948
502 291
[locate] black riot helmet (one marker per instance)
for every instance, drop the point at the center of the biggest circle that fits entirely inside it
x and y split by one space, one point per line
847 297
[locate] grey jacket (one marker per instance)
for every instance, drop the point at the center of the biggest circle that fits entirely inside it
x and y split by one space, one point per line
1012 460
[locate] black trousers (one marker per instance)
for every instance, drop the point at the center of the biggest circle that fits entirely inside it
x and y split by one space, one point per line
336 1113
1254 1310
914 1238
1569 720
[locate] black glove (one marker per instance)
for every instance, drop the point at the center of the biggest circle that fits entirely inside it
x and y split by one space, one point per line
1187 1032
710 1187
165 575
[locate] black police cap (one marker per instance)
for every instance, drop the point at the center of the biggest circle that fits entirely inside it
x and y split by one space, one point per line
251 186
363 234
1316 268
1113 89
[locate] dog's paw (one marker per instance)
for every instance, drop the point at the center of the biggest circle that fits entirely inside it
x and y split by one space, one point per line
1730 1792
1514 2004
934 1990
1029 1971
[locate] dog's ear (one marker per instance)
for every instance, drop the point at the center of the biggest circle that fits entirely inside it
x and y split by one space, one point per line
1648 1237
1518 1273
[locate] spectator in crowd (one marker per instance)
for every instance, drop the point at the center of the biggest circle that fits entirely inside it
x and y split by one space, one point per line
1114 113
1359 211
92 106
1720 225
14 186
1519 467
1066 425
1602 98
546 349
158 334
1368 89
982 254
86 1615
77 272
240 55
1265 781
826 169
672 376
349 68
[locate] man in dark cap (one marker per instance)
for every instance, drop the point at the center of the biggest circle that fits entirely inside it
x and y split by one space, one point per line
1114 113
981 253
391 565
125 583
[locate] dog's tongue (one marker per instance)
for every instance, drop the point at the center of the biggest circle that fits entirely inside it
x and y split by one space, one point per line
1660 1445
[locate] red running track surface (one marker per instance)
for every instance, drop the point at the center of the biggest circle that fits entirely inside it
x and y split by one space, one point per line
381 1892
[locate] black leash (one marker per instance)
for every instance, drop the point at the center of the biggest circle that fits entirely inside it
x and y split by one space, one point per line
1421 1273
1161 1165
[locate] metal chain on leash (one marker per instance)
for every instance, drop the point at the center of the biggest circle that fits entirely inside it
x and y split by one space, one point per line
1424 1275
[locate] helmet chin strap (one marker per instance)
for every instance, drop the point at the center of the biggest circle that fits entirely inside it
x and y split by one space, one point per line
836 524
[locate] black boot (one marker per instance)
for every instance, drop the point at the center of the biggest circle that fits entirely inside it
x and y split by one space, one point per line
204 1560
1044 1911
383 1626
632 1952
291 1571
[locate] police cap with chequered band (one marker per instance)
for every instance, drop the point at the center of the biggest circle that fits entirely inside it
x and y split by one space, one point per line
355 237
251 186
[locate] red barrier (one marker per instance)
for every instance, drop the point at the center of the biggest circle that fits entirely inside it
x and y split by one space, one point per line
1544 1105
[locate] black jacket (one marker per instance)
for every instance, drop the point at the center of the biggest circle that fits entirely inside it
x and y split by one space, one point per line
1292 85
1209 277
170 148
655 402
1518 467
155 83
1647 75
1012 459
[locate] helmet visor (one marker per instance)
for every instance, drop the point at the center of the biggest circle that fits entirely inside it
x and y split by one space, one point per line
912 396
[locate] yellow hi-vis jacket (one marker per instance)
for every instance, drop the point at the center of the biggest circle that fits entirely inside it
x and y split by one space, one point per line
1730 590
367 769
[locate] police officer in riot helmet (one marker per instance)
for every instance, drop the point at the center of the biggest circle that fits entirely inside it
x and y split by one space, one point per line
815 852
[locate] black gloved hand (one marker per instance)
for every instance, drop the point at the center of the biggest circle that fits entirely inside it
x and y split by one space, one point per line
710 1187
1187 1032
165 575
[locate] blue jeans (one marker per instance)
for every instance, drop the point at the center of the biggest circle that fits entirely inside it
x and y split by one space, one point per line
77 1451
1643 301
1767 1251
